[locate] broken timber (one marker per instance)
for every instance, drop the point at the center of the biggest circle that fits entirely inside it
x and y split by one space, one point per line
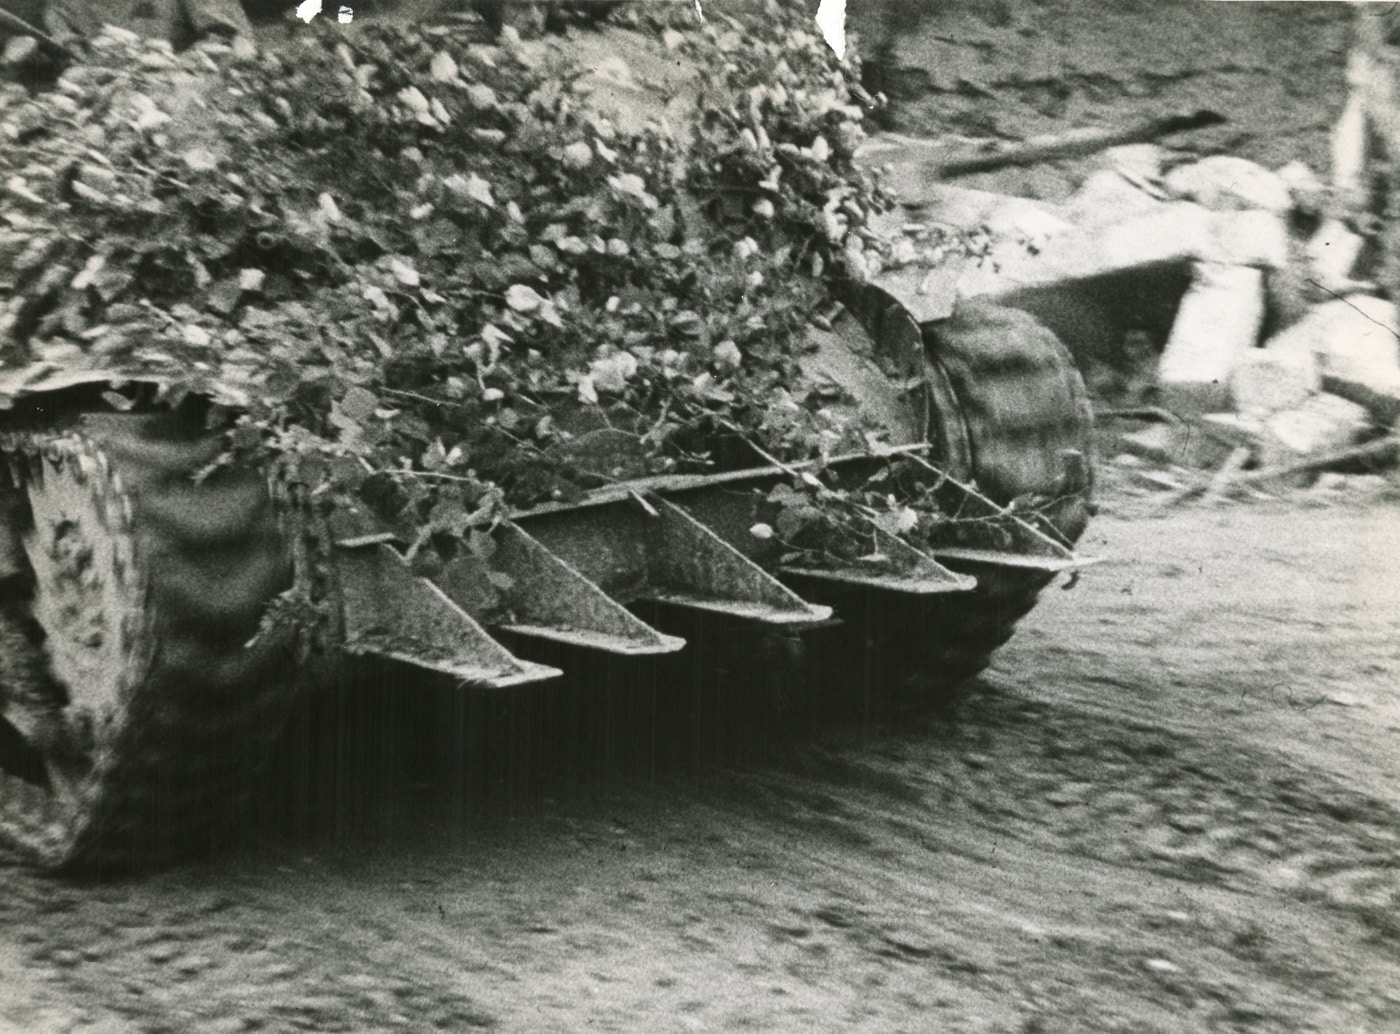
1074 144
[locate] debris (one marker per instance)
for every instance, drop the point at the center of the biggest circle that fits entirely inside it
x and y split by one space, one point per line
1226 183
1324 423
1159 480
1154 413
1332 252
1218 322
1227 473
1232 429
1356 342
24 29
1181 444
1345 700
1152 443
1334 487
1074 143
1382 451
19 50
1267 380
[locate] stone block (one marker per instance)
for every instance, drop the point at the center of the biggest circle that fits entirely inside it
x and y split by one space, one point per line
1175 232
1267 380
1252 238
1162 234
1227 183
1217 324
1324 423
1356 342
1107 197
1332 252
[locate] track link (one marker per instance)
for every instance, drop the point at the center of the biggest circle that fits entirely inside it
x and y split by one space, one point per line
138 693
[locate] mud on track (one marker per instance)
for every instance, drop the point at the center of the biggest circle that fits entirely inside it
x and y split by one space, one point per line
1172 805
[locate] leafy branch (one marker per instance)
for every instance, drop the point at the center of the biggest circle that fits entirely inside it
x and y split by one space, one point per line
438 268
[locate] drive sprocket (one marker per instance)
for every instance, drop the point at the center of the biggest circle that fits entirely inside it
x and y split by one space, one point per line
139 684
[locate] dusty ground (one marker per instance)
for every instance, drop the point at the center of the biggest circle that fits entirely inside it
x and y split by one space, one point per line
1173 804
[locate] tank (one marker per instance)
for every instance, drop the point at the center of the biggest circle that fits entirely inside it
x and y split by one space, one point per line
196 514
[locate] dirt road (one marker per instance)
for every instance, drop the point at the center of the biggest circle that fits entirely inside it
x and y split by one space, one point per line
1171 806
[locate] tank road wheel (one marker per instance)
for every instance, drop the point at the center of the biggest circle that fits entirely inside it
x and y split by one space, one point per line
1009 412
1027 417
137 694
1029 432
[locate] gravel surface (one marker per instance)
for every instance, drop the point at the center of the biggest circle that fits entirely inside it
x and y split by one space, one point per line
1170 806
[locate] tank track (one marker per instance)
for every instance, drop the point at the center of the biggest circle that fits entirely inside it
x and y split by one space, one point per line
139 689
1024 408
1019 423
141 686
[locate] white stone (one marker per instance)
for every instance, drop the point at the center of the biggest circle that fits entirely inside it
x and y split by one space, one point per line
1267 380
1226 183
1218 322
1144 160
1357 349
1176 232
1107 196
1324 423
1307 188
1332 253
1255 238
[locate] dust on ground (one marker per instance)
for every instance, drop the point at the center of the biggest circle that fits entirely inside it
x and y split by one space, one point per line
1173 804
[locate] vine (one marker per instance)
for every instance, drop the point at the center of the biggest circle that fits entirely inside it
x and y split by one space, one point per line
436 267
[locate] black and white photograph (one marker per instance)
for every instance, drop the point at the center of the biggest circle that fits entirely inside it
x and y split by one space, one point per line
555 516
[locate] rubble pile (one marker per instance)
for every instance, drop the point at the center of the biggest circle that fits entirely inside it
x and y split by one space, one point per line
1327 378
1270 354
1290 367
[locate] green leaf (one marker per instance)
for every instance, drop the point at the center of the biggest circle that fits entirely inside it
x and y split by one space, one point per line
358 405
481 544
523 298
